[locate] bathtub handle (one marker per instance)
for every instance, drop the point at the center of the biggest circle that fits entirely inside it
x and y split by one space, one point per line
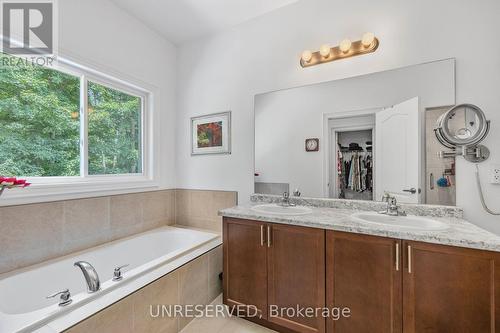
65 297
117 274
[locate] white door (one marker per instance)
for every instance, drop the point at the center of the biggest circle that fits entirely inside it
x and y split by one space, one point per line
397 152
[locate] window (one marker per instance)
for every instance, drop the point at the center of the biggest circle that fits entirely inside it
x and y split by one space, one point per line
39 135
69 123
114 131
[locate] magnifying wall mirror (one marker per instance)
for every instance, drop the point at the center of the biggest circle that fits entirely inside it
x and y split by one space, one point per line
462 128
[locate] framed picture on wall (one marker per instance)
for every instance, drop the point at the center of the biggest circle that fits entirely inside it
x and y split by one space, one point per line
211 134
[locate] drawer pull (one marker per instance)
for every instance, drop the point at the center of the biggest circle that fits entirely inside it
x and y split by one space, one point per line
409 259
397 256
268 236
262 235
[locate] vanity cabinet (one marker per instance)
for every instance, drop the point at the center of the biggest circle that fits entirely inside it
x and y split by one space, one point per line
389 285
363 273
296 274
450 289
403 286
245 260
279 265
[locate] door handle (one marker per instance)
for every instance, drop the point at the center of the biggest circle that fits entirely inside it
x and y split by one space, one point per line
262 235
397 256
268 236
411 190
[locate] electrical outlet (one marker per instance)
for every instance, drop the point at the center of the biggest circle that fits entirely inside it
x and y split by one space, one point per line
495 174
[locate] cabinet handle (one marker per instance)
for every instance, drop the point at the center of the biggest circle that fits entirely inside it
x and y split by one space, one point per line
397 256
409 259
268 236
262 235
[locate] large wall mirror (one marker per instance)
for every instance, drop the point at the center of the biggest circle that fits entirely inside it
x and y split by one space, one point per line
359 137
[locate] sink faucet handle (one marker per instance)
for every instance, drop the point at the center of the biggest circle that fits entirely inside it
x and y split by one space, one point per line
385 197
117 274
65 297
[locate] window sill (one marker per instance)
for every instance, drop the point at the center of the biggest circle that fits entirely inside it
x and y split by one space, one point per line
57 189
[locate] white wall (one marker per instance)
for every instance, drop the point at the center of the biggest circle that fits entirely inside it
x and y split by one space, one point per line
285 118
227 70
97 33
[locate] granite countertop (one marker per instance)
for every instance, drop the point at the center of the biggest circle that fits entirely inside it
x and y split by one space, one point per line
460 232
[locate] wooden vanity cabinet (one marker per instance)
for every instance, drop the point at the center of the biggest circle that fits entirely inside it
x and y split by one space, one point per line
450 289
363 273
296 275
245 264
268 264
389 285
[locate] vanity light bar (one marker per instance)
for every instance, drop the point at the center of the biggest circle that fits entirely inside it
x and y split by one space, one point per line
346 49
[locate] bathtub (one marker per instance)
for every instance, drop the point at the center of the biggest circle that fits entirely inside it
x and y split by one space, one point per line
150 255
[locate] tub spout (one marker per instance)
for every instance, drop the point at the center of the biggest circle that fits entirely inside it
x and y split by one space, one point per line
90 275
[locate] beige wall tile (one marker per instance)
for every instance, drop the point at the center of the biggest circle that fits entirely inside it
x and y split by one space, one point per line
30 233
193 285
201 205
126 210
85 218
199 208
116 318
170 201
34 233
155 207
182 203
161 292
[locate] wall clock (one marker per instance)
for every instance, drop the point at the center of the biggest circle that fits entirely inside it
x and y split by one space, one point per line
312 145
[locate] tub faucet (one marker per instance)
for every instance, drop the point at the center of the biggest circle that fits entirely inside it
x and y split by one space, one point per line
90 275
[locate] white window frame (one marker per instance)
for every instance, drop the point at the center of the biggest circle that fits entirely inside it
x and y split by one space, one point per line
85 185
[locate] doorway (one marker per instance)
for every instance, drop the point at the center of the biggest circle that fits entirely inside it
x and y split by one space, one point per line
351 157
355 165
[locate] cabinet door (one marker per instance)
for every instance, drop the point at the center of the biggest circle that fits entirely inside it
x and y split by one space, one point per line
245 265
363 273
296 275
449 289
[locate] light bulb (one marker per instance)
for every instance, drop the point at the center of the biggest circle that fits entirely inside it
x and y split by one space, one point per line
345 45
324 50
306 56
368 39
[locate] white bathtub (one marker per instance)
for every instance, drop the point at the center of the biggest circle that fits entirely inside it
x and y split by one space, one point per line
150 255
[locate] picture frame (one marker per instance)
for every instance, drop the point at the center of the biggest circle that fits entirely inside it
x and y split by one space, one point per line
211 134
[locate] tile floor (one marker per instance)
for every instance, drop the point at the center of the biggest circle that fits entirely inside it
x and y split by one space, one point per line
223 325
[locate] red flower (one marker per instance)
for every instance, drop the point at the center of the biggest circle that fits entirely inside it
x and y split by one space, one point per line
13 182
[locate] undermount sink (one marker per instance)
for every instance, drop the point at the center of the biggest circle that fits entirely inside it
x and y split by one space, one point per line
282 210
404 222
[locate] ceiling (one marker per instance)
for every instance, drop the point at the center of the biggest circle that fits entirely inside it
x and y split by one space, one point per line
183 20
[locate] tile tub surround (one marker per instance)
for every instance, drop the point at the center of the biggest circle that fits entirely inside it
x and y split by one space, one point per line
33 233
460 232
411 209
199 208
197 282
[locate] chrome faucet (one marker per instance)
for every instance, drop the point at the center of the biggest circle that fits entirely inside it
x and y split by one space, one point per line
392 206
90 274
285 201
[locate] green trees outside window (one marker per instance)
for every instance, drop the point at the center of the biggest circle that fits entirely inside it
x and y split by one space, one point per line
114 131
40 125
